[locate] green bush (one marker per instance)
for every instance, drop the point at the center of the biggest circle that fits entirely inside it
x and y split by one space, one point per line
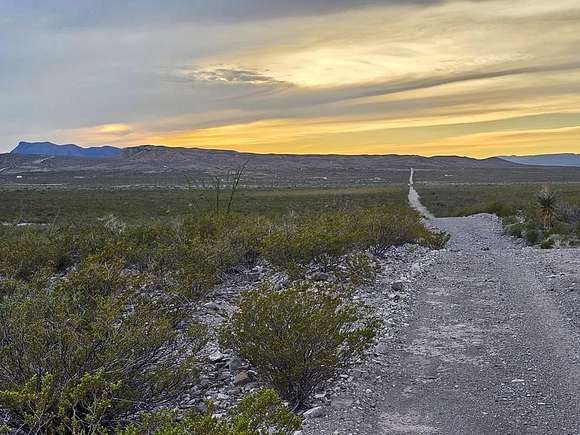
509 220
436 239
532 234
25 253
324 237
548 243
259 413
360 269
77 356
514 230
298 337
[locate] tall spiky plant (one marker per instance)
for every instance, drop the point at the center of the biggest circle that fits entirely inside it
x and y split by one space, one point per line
547 203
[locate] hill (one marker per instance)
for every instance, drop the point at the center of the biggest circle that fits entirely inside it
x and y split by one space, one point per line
152 165
70 150
569 159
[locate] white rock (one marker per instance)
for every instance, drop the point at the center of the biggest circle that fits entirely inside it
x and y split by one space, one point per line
314 412
216 356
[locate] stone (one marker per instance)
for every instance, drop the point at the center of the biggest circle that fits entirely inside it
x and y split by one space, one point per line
398 286
416 269
216 356
342 403
253 276
242 378
212 306
315 412
201 407
235 364
320 276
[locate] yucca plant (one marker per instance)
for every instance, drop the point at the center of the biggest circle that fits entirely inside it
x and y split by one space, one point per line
547 203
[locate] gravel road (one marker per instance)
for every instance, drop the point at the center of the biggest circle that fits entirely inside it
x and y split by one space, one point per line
492 347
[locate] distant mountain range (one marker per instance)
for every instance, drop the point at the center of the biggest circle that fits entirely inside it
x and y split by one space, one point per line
569 159
184 157
69 150
151 157
45 163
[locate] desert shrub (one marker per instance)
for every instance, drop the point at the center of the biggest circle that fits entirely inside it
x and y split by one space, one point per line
532 234
298 337
548 243
360 269
324 237
77 356
568 213
259 413
314 238
509 220
436 239
514 230
25 253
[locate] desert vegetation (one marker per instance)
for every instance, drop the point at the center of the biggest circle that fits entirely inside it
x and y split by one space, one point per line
542 215
97 325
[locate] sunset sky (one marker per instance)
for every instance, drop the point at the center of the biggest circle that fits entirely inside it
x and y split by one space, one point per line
429 77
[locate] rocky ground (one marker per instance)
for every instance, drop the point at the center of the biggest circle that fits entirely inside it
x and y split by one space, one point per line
492 346
225 378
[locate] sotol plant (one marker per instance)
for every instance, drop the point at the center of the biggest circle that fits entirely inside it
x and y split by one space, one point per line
547 204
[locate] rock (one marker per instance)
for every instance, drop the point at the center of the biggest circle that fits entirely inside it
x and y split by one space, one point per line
235 364
314 412
201 407
342 403
253 276
212 306
222 396
398 286
416 269
249 387
320 276
242 378
394 297
204 382
216 356
279 281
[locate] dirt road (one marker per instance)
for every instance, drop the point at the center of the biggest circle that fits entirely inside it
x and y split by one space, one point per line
493 346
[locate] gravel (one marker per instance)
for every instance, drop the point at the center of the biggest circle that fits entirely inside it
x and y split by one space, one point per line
491 345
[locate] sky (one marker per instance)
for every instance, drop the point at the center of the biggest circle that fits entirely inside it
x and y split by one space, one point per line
429 77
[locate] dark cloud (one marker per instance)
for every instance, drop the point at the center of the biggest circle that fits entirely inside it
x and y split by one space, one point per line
232 75
73 13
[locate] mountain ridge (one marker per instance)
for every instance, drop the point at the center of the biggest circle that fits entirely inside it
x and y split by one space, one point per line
560 159
155 156
69 150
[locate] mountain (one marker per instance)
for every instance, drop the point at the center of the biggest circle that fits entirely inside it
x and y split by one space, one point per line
69 150
569 159
155 165
157 157
198 158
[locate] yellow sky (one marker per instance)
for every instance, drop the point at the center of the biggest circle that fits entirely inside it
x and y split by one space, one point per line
456 77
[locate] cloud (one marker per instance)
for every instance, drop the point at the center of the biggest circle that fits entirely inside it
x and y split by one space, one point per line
230 75
151 69
89 13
